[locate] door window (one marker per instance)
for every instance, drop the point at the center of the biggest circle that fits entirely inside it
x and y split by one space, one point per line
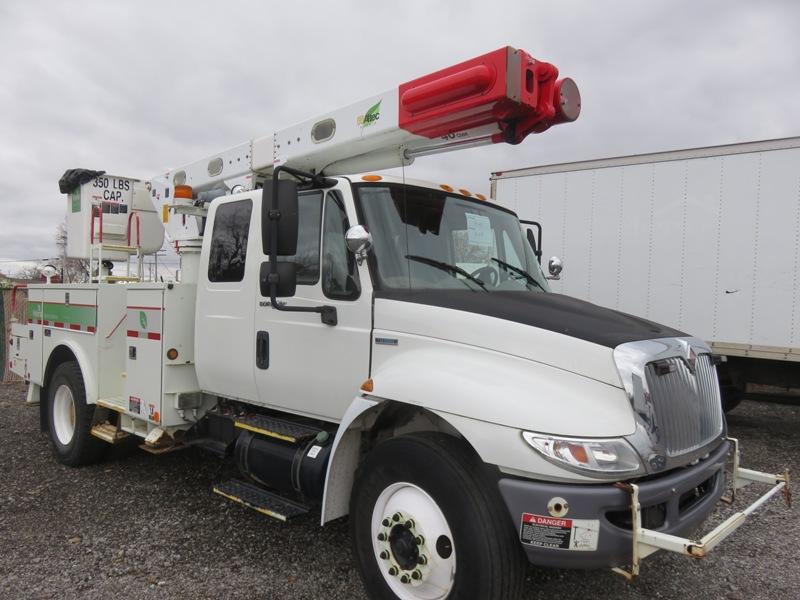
226 260
339 272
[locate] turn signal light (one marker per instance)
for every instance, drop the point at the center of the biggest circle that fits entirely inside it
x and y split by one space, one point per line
172 353
368 385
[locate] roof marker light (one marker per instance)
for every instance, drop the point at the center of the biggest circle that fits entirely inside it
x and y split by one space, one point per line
371 177
465 192
446 187
480 197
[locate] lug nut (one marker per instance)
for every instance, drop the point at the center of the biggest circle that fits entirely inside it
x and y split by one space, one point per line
422 560
410 524
396 517
384 554
393 571
419 540
416 575
381 537
386 522
405 579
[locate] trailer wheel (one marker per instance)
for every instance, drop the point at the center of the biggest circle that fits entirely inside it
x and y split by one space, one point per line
427 523
70 418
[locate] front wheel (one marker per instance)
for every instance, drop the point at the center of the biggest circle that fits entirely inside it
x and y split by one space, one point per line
70 418
428 524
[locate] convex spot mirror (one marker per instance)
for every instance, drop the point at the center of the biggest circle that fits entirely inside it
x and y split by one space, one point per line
287 279
555 266
359 241
287 217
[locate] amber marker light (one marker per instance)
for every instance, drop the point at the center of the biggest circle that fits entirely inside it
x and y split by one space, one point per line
446 187
371 177
480 197
465 192
183 191
172 353
368 386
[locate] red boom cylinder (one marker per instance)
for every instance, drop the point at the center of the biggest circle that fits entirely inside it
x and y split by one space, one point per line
508 87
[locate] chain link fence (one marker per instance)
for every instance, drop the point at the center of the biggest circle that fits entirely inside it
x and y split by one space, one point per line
8 312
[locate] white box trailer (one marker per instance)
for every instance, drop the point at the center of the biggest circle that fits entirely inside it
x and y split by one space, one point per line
706 240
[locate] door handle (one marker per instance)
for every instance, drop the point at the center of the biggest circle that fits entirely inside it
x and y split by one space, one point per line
262 350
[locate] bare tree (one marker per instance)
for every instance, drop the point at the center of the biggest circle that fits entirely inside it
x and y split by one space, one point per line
74 270
30 273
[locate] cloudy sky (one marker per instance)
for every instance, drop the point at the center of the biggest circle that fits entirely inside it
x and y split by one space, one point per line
135 87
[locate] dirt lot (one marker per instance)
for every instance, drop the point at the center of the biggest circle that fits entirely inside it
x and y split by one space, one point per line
149 527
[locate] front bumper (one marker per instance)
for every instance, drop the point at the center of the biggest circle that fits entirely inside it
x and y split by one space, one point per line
616 525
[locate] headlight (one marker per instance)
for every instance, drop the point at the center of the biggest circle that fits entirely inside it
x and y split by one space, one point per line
613 457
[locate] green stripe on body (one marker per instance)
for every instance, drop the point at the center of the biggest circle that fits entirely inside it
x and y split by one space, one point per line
85 316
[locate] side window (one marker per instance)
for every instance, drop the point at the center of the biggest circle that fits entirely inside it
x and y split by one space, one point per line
339 272
226 260
309 221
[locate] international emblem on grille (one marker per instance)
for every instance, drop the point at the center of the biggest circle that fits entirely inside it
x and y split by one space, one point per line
690 356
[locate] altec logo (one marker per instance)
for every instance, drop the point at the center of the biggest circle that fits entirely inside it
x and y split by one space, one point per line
371 116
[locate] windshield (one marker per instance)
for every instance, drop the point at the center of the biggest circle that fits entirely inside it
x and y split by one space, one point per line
427 239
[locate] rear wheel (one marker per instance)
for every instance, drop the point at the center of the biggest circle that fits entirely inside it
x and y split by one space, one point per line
428 524
70 418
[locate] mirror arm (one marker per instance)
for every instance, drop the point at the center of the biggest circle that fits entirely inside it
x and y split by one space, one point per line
328 314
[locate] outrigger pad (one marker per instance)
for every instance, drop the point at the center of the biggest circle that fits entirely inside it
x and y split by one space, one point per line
72 178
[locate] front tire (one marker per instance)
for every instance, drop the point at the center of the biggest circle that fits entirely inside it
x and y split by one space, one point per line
428 523
70 418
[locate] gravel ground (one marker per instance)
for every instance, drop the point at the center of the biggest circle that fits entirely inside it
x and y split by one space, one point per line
149 527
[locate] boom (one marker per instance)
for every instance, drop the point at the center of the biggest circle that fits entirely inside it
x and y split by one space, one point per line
502 96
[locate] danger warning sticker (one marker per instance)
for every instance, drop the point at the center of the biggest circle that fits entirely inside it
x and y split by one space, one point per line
559 534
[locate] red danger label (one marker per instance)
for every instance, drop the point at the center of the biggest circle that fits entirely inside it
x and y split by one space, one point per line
545 532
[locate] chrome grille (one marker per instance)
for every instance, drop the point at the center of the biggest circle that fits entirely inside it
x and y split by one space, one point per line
687 405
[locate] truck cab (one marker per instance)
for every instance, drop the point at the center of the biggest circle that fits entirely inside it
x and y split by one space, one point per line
387 349
425 239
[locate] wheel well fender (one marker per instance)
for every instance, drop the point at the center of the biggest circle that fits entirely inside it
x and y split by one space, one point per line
367 422
66 351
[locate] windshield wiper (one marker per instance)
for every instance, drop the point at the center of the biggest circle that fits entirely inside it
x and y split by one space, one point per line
528 277
452 269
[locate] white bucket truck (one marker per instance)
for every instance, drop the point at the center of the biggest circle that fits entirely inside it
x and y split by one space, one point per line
384 348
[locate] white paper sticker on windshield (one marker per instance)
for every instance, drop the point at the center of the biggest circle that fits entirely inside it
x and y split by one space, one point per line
479 230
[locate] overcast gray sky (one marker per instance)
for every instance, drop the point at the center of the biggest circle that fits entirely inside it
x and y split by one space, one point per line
135 87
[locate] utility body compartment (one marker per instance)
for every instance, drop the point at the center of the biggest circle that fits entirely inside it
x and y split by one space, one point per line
159 360
120 337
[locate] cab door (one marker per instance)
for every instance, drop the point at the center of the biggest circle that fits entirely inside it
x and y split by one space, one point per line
311 368
227 286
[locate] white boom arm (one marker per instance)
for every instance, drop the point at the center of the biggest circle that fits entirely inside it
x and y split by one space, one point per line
502 96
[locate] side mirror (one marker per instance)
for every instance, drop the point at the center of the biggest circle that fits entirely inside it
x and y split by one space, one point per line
359 242
287 217
555 266
287 279
534 239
